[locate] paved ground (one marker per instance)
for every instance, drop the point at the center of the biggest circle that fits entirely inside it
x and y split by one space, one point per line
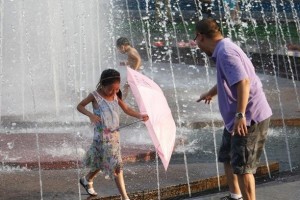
63 184
286 186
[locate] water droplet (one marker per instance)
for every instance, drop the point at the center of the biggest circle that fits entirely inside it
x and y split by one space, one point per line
11 145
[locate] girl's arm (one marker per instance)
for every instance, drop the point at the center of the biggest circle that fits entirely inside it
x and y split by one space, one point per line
81 108
131 112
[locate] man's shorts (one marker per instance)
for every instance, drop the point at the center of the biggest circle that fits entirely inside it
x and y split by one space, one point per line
243 152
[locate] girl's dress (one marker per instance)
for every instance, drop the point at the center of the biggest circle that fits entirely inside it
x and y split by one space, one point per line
104 153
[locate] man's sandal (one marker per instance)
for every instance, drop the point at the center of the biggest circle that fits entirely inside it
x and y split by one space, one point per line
88 186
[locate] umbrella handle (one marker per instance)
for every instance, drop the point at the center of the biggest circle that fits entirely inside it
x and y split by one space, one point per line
116 129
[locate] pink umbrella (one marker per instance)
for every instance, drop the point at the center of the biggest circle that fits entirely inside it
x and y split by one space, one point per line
151 100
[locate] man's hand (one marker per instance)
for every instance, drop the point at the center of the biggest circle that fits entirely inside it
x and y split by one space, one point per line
206 97
240 127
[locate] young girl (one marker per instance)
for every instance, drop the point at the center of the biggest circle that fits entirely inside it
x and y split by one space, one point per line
104 154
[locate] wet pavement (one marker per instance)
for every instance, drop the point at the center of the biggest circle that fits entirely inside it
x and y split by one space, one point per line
141 182
286 186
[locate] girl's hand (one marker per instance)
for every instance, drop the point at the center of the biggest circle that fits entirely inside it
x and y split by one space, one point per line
95 119
144 117
122 63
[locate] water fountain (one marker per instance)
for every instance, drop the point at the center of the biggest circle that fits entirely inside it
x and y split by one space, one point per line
51 56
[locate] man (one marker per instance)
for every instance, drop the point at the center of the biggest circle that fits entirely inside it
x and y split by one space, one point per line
243 106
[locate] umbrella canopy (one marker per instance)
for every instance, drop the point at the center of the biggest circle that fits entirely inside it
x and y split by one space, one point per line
151 100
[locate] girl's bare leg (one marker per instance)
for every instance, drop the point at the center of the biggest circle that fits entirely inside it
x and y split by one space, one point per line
119 179
91 175
90 178
87 182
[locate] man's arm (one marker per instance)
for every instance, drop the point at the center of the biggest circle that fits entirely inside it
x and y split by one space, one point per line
243 90
207 97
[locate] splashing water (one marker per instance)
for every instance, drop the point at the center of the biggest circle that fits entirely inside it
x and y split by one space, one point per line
52 62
